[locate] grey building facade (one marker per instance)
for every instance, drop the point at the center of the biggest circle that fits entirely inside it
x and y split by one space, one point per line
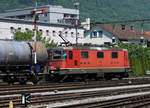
54 14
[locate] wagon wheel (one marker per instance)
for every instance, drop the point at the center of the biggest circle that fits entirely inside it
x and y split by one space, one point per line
9 79
23 80
35 79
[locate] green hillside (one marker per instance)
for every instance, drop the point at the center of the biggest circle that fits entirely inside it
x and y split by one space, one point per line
97 10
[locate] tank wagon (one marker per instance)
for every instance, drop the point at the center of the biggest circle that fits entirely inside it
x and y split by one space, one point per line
84 62
17 61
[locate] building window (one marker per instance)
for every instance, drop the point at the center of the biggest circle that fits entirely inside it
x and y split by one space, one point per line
91 34
54 33
19 28
95 34
100 54
12 37
100 34
26 29
72 34
66 34
12 29
114 54
47 32
84 54
40 30
60 33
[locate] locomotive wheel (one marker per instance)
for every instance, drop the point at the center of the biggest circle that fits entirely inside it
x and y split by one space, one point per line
120 76
108 77
9 79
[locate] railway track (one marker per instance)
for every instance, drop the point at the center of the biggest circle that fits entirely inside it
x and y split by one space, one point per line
7 90
83 99
130 102
144 80
40 92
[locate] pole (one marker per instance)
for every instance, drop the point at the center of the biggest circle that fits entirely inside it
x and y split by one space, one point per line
76 22
35 12
76 31
35 58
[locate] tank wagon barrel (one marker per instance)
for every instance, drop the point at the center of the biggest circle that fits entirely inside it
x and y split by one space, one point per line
20 53
17 58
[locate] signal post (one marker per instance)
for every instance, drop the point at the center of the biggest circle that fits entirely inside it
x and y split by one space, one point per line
35 12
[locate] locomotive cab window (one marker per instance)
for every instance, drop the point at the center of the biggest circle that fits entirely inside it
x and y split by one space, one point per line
100 54
64 55
114 54
70 55
49 53
84 54
57 55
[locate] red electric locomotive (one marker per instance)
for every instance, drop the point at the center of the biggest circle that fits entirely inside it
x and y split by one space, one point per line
84 62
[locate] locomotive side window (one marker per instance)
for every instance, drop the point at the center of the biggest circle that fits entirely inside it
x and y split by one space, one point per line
114 54
59 55
100 54
64 55
70 55
49 54
84 54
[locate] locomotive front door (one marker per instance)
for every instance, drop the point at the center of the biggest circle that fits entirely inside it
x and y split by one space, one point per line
125 59
76 58
73 59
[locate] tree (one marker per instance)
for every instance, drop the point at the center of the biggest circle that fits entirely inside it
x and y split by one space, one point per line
28 36
139 58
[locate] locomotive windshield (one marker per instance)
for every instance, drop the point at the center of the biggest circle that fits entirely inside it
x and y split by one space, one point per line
57 55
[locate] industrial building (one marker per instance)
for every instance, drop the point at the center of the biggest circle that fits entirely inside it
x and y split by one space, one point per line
54 14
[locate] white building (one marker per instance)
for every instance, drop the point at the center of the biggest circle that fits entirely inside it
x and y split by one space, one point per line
49 30
98 35
56 21
108 34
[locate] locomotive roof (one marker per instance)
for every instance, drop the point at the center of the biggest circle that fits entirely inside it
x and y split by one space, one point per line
87 48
